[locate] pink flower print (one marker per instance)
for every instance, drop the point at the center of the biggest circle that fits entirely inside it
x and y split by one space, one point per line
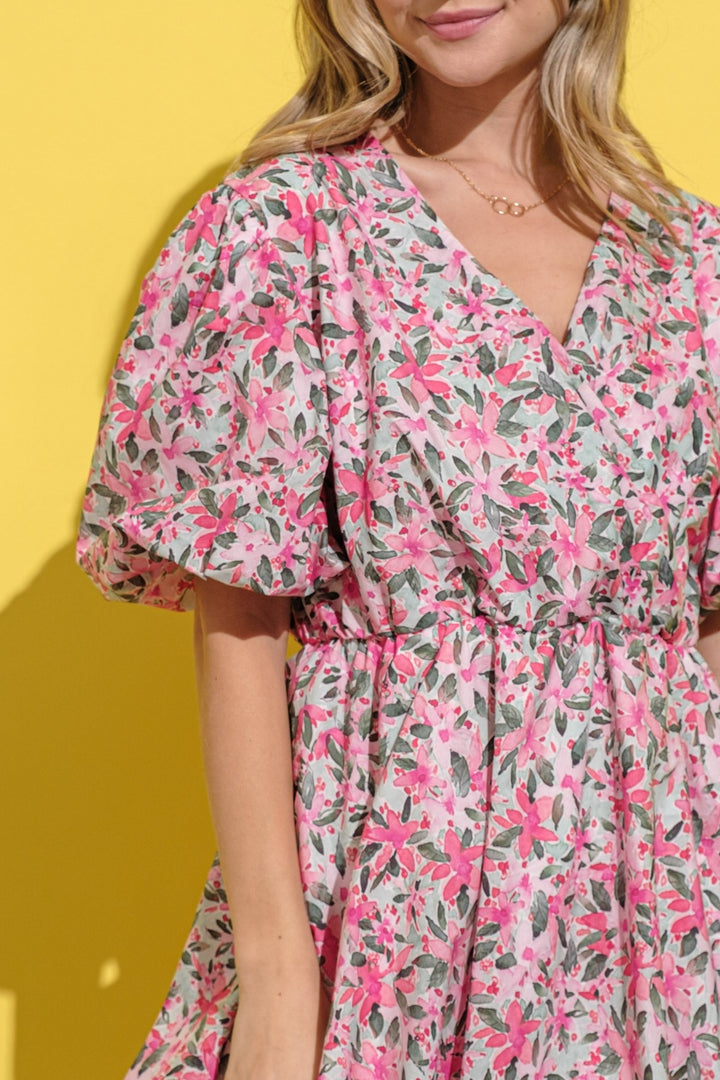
209 1051
490 484
507 374
203 221
685 1040
422 382
136 486
265 254
152 293
371 986
661 846
636 888
561 1020
574 480
355 913
708 846
453 266
553 691
137 419
594 920
302 222
367 487
707 282
377 1064
414 547
361 738
478 434
294 498
571 545
514 1039
385 933
633 969
673 984
491 560
636 791
505 912
378 289
473 668
154 1040
635 717
394 840
463 867
274 328
695 908
422 778
264 409
178 448
225 522
658 369
189 400
629 1047
693 338
529 817
530 736
512 584
454 951
542 445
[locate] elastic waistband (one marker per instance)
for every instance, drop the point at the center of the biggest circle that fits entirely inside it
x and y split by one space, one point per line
441 622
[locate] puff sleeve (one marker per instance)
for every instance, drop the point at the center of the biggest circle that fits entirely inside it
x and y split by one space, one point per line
706 258
213 443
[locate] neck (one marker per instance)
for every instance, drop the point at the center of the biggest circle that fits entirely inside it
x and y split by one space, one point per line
497 124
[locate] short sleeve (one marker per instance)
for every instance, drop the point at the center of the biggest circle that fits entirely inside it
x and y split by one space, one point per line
213 450
706 244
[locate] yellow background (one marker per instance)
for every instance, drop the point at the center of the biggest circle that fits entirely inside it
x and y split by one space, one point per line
121 115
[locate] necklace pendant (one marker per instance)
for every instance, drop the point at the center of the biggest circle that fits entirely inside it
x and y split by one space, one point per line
502 205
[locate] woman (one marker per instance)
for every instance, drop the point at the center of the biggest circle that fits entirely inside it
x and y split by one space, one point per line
432 379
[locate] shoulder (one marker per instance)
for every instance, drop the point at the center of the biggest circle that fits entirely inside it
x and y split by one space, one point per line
699 206
698 223
277 187
296 183
695 224
696 220
286 201
704 225
251 202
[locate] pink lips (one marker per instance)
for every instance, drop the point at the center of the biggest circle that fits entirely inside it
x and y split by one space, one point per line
453 25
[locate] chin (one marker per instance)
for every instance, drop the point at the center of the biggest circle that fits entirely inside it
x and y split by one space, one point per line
465 72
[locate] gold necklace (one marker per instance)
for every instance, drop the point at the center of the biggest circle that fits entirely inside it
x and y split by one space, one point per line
501 204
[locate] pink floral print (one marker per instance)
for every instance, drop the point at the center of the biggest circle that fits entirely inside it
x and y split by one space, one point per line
498 547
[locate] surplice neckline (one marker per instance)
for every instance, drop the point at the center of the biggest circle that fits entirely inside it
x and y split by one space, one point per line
454 246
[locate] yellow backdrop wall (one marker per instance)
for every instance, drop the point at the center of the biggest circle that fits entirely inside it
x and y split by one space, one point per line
121 115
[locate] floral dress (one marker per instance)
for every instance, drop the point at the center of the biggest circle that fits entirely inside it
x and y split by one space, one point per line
498 548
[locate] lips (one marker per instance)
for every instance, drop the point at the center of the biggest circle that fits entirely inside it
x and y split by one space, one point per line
466 15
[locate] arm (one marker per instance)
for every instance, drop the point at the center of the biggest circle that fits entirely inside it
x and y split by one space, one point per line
240 649
241 642
709 643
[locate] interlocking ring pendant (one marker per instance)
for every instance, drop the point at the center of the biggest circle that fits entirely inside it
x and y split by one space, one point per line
502 205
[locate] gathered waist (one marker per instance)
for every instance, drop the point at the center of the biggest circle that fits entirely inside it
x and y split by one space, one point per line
615 626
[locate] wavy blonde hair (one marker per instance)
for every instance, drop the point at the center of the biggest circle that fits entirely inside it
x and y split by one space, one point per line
355 75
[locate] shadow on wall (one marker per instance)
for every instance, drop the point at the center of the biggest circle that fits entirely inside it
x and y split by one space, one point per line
108 832
108 836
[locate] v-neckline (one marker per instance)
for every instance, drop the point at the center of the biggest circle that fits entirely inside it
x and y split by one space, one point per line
454 246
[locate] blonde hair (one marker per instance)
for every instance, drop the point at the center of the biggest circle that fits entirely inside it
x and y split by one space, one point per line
355 75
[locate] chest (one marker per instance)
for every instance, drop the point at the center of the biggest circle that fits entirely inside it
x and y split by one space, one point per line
541 259
470 433
542 256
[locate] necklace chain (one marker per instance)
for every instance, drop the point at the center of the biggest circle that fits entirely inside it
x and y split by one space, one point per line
501 204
